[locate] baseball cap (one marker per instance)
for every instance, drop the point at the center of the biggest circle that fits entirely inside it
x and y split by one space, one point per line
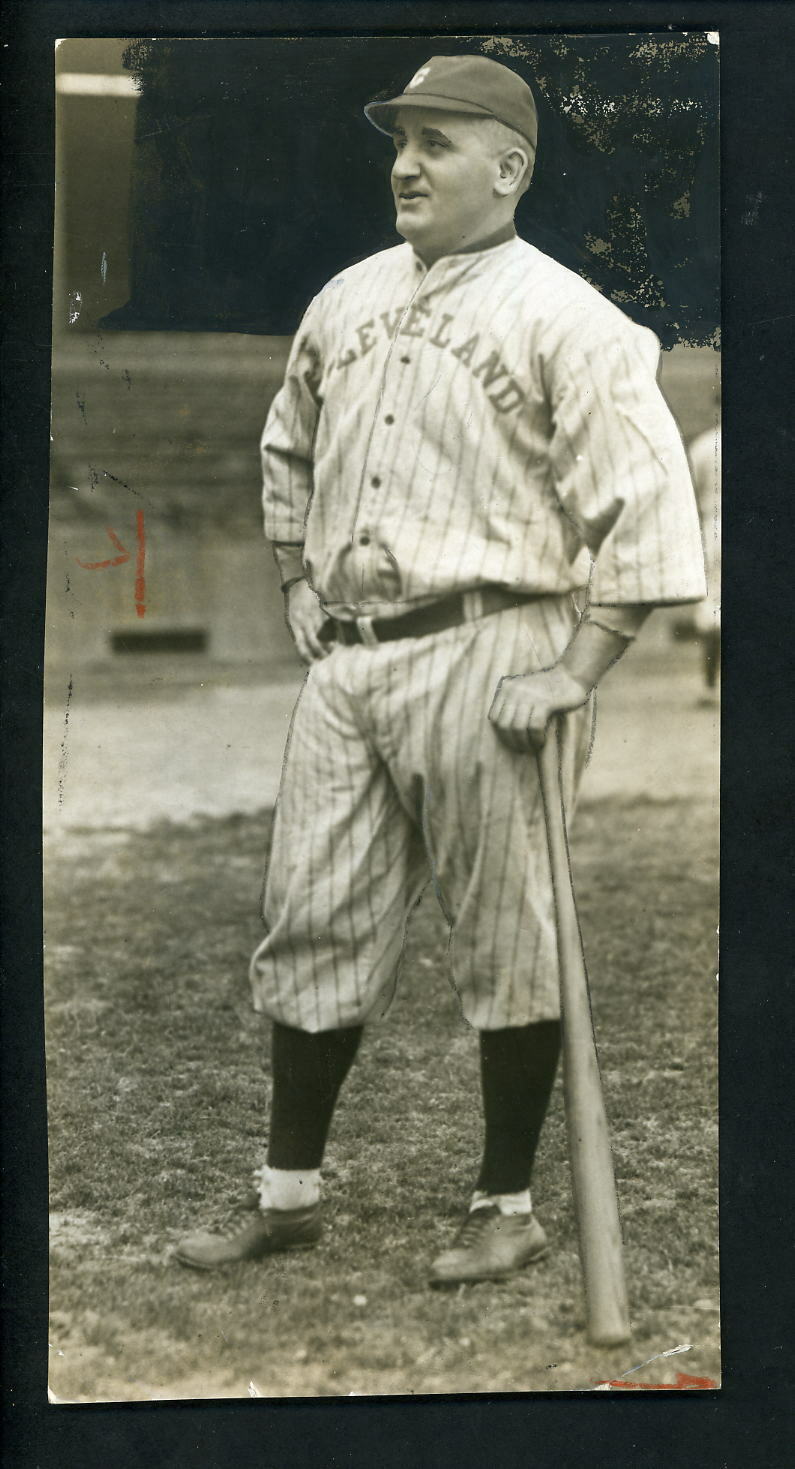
472 84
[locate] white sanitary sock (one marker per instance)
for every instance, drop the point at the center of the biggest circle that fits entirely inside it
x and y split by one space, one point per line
288 1188
520 1203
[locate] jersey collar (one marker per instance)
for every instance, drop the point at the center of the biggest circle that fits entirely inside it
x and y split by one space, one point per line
490 242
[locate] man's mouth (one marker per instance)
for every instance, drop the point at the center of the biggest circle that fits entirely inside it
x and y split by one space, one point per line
408 194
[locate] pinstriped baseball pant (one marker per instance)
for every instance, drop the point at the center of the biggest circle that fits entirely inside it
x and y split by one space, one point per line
393 774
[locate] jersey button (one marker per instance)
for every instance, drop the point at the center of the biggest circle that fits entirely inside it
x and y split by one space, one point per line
405 359
376 481
364 539
389 418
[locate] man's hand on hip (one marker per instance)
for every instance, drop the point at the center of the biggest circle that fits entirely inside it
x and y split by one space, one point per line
524 704
305 618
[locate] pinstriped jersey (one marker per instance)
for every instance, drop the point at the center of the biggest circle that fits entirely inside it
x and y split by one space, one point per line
491 419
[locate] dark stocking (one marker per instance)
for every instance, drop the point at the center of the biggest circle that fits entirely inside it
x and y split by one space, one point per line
517 1069
308 1072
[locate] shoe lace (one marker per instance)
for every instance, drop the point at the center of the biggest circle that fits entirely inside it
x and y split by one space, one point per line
474 1226
232 1228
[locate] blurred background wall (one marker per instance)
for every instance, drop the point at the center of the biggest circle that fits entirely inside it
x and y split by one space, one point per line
167 423
164 422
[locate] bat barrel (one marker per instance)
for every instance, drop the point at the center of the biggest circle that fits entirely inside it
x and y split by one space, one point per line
593 1178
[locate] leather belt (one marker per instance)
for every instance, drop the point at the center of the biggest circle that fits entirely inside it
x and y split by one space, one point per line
438 616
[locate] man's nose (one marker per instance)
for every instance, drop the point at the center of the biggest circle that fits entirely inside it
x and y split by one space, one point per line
406 164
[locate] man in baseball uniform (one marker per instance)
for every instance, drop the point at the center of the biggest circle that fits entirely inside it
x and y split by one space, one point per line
468 448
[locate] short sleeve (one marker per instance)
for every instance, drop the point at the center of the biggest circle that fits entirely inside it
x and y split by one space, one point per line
620 470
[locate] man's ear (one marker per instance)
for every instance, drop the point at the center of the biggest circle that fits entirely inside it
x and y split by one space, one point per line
511 170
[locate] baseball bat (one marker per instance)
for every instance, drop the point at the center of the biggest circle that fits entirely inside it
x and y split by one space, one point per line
593 1178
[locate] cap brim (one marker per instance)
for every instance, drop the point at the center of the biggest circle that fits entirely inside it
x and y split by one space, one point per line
381 114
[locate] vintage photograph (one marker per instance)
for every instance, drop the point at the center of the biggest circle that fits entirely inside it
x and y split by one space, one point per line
381 716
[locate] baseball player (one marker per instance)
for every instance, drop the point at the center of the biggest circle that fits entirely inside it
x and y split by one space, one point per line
469 445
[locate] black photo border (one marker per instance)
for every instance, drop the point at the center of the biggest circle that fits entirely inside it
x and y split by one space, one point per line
746 1421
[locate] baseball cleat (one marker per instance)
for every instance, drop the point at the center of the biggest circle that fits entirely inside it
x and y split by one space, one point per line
267 1233
489 1246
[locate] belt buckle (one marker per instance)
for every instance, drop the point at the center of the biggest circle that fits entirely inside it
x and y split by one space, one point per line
365 630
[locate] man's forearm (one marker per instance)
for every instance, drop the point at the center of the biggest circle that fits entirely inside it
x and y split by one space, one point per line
602 637
289 557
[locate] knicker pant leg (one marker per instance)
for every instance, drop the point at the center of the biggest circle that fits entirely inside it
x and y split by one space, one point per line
343 863
485 824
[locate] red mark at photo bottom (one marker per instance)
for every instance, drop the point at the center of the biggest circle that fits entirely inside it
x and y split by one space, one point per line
683 1383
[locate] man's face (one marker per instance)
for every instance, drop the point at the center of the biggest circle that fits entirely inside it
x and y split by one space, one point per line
443 181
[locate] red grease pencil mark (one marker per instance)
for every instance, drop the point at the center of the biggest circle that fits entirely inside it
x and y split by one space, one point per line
140 560
683 1381
140 581
100 565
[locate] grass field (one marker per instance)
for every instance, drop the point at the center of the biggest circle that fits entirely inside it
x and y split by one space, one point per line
158 1104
